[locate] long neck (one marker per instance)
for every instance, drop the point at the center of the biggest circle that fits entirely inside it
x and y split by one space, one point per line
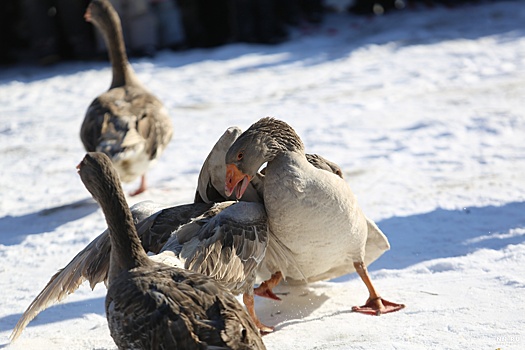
112 31
126 248
288 161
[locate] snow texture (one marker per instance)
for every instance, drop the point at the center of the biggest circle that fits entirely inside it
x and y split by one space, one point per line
422 108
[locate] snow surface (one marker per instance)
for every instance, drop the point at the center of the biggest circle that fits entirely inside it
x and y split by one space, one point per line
424 111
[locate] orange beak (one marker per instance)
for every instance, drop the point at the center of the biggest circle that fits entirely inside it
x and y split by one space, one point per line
235 177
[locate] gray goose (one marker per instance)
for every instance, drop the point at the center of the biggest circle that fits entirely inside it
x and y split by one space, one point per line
156 225
210 186
312 212
127 122
151 305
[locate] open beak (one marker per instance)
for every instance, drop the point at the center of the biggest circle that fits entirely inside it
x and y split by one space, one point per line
235 179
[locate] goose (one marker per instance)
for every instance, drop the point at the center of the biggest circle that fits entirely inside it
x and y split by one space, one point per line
157 224
151 305
210 184
92 263
127 122
312 212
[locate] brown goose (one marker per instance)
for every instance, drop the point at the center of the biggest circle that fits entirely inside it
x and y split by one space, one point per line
155 306
127 122
92 262
157 225
312 212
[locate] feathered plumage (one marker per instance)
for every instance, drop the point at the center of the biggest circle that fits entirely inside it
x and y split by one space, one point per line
127 122
312 212
151 305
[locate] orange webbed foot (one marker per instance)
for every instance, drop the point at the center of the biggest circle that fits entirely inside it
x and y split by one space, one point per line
264 329
377 307
264 291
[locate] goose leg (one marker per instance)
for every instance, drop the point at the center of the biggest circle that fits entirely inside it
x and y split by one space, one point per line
143 186
265 289
375 305
247 298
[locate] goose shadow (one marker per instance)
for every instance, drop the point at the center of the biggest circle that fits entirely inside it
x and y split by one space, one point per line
297 303
15 228
444 233
416 238
56 313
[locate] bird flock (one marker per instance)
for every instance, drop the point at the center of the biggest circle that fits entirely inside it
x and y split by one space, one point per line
173 273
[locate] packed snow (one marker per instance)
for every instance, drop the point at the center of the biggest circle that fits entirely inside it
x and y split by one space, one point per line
422 108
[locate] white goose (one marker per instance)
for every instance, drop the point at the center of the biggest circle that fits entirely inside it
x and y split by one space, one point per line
312 212
127 122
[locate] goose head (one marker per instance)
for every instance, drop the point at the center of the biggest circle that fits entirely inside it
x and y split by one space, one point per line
96 172
102 14
261 143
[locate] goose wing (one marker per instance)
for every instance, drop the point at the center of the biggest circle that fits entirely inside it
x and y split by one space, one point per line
155 230
228 246
92 263
153 123
324 164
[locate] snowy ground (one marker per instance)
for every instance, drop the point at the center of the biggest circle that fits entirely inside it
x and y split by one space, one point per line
424 111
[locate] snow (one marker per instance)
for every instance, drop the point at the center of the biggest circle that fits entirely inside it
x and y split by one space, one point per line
423 109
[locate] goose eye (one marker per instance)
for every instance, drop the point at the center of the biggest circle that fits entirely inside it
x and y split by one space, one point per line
240 155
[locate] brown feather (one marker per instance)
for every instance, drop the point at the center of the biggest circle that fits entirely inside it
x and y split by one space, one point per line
127 122
151 305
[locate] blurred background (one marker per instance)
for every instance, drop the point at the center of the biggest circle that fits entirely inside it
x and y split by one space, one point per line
45 32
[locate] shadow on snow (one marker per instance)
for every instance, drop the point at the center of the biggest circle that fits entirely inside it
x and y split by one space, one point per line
15 228
414 239
57 313
450 233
